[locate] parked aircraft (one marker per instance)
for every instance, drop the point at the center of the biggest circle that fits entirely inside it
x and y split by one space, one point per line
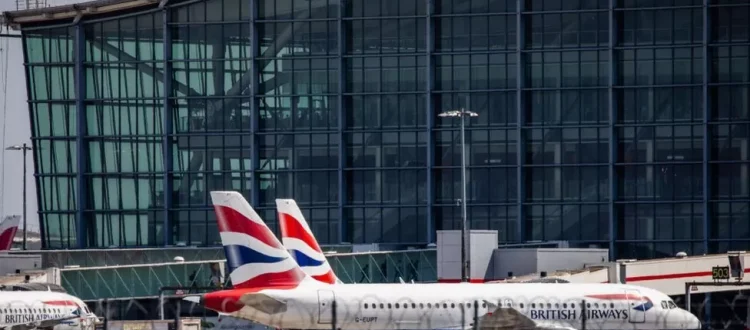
301 243
44 309
299 240
270 288
8 229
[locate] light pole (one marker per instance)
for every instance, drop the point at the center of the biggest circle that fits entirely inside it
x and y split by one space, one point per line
23 148
464 259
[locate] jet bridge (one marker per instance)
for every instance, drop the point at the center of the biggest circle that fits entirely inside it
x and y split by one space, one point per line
668 275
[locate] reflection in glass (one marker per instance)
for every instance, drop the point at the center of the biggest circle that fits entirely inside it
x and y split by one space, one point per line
337 107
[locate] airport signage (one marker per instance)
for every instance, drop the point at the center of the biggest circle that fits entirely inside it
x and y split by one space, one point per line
720 272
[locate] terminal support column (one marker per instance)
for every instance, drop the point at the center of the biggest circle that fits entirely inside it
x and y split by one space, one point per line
167 142
343 228
81 150
429 115
520 150
706 148
255 154
706 130
612 105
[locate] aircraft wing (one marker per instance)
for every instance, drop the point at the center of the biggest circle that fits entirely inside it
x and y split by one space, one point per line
508 318
48 323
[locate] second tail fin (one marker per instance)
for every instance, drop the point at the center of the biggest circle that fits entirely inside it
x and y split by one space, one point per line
301 243
255 256
8 229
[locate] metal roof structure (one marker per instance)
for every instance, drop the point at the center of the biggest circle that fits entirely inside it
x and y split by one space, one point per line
34 287
73 12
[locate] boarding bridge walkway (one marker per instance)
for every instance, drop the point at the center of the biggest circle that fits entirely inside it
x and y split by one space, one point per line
667 275
140 273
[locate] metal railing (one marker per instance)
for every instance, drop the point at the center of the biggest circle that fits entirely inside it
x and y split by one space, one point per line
131 280
31 4
138 281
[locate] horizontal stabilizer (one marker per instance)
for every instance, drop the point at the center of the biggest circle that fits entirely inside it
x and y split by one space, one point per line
264 303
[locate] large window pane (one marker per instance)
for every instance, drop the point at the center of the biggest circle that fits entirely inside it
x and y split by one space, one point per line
586 29
660 221
385 36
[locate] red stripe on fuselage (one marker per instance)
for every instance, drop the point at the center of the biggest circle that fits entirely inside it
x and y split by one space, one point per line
616 296
61 303
229 220
629 279
292 228
228 301
471 280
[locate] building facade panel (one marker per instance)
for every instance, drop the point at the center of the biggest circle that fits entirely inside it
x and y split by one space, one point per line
619 123
50 66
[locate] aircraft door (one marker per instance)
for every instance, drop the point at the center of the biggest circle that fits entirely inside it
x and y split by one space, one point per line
637 306
325 306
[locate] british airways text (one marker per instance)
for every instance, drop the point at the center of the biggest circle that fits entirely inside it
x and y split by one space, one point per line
569 314
22 318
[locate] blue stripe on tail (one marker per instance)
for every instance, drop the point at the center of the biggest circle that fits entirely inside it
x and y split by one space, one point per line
238 255
304 260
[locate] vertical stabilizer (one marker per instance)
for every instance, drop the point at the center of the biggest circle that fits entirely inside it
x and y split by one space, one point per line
8 229
301 243
255 256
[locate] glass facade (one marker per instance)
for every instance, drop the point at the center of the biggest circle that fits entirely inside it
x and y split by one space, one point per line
620 123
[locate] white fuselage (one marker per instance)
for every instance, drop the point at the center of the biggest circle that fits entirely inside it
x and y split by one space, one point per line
35 306
448 306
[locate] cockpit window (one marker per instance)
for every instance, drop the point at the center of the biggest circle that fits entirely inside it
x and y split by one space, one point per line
672 305
664 305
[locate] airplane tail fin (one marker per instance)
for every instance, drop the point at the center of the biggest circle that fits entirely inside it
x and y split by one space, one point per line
301 243
8 229
255 256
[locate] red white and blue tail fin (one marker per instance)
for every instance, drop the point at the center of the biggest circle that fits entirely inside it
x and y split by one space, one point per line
301 243
8 229
255 256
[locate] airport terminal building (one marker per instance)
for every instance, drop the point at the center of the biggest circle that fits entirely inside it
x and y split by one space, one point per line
617 123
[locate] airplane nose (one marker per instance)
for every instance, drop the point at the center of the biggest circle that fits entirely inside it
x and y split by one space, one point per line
693 321
697 322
